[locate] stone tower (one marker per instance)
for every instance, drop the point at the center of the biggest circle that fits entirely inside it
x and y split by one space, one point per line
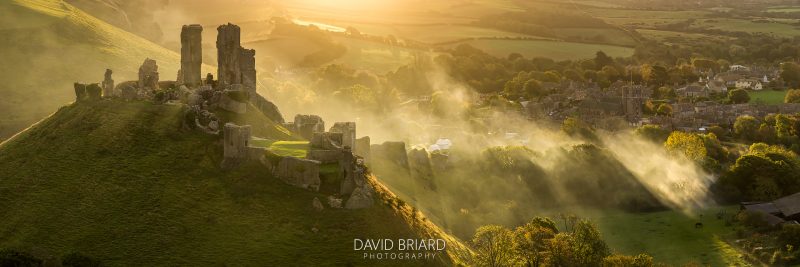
236 65
632 101
148 75
228 53
236 141
191 55
247 64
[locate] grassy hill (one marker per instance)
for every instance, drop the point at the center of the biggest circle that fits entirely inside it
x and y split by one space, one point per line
48 44
125 183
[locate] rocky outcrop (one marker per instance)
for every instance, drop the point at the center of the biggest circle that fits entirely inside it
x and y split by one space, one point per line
191 55
301 173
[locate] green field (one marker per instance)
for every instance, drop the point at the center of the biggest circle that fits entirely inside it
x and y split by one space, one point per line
670 236
612 36
777 27
124 183
551 49
784 9
677 37
767 96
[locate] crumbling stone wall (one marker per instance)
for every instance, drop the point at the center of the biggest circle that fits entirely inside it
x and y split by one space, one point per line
391 153
348 131
302 173
307 125
148 75
108 84
420 167
362 148
247 65
191 55
234 101
80 92
228 53
235 143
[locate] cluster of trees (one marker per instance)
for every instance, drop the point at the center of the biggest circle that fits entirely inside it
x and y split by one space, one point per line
540 243
764 173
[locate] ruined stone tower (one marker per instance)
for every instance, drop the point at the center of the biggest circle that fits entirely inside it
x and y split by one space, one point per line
237 139
148 75
191 55
228 53
632 101
236 65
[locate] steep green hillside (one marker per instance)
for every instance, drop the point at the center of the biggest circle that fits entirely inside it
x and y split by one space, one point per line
48 44
125 183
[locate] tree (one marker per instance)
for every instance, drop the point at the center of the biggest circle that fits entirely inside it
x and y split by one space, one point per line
582 247
533 88
690 145
653 133
790 73
763 173
493 244
738 96
532 239
654 74
601 60
746 127
792 96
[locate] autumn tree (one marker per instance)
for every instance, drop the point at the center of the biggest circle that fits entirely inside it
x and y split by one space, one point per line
688 144
746 127
494 246
738 96
792 96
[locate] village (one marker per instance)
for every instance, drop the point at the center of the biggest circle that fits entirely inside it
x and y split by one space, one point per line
692 107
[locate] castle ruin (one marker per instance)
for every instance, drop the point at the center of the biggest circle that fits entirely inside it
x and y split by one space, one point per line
191 55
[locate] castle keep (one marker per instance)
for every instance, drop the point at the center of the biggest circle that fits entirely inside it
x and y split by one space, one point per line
191 55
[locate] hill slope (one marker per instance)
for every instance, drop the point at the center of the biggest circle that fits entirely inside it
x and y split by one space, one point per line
124 183
48 44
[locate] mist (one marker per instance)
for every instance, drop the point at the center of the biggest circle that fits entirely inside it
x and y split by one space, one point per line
502 168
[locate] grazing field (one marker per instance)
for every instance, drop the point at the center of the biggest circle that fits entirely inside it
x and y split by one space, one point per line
767 96
432 34
677 37
671 237
784 9
376 57
605 35
775 27
552 49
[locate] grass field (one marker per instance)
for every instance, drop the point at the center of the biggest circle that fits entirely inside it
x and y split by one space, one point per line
776 28
784 9
552 49
767 96
670 236
677 37
122 182
53 45
610 35
375 57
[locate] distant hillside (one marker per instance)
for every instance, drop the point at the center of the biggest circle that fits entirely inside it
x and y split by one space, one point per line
125 183
48 44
